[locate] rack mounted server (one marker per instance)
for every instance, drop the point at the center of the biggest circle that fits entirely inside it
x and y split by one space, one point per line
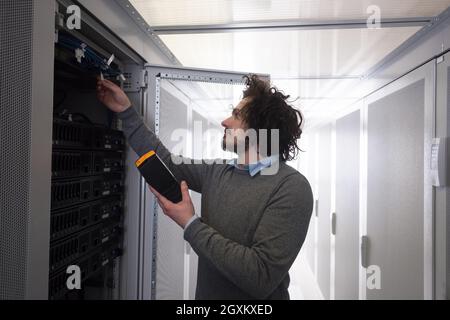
86 203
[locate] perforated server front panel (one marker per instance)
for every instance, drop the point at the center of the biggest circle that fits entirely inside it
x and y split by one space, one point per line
16 22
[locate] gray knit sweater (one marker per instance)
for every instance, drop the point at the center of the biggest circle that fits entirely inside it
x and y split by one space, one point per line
251 229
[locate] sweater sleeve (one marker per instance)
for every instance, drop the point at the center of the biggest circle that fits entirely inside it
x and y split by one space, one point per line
260 268
143 140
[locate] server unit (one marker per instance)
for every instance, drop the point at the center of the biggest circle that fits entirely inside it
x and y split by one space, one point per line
87 195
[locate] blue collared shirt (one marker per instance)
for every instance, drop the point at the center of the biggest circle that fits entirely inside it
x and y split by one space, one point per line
254 168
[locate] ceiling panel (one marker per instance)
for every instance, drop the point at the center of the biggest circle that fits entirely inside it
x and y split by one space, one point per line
290 54
205 12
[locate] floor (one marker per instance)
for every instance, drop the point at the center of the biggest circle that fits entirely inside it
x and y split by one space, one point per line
303 282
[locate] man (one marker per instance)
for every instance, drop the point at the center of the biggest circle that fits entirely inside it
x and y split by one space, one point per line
252 225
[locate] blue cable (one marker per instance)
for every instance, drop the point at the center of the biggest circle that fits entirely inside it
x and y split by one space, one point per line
91 59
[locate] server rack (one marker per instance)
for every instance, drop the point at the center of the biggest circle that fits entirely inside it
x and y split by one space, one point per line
94 204
89 162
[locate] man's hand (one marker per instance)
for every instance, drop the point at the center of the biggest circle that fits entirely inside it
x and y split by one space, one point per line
180 212
112 96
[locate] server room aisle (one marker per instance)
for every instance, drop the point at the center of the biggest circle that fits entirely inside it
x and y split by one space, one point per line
375 97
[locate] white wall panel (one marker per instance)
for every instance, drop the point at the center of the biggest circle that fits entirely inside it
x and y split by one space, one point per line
347 206
324 208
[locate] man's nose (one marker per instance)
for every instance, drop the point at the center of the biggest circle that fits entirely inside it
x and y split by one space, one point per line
225 123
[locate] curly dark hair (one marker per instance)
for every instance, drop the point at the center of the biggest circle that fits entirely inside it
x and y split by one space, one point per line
268 109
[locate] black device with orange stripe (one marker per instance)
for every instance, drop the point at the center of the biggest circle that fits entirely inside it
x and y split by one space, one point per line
158 176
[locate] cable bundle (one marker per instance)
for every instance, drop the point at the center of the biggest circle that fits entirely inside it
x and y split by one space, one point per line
86 57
